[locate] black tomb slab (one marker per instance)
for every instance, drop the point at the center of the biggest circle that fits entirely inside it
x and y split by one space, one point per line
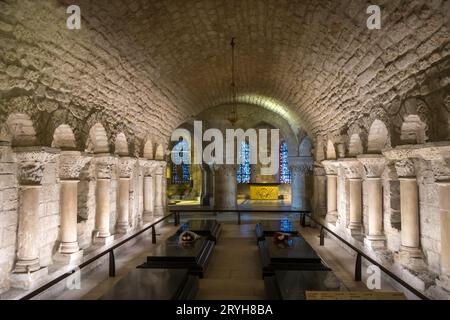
154 284
173 255
207 228
298 255
293 284
268 228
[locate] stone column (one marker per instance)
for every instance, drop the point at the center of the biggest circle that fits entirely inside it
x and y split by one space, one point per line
71 164
409 211
206 188
331 172
149 198
126 165
353 171
300 168
31 164
225 186
373 169
320 191
160 192
103 199
444 203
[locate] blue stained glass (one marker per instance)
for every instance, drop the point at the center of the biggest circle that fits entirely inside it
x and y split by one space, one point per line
243 172
286 225
180 172
285 174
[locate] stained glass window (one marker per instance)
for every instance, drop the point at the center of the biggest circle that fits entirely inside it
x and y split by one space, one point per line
285 174
243 171
180 172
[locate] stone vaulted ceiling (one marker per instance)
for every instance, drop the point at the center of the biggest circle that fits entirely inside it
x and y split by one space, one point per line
147 66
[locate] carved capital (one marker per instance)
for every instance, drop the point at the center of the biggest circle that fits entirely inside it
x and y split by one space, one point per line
405 168
31 163
373 165
330 167
352 167
104 166
71 163
150 166
126 165
441 169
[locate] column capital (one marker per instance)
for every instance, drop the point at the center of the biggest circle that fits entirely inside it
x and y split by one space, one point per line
405 168
352 167
150 166
104 165
373 164
31 163
126 165
301 165
330 167
71 163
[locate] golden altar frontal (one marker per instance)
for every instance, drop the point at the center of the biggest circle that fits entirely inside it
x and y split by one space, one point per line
264 191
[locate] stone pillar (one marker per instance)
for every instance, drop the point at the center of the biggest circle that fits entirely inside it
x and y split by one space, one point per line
103 199
409 211
160 192
373 169
320 191
149 198
225 186
126 165
331 172
31 164
444 204
300 168
206 187
353 171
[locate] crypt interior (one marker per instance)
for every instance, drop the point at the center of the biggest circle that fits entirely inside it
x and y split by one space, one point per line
87 159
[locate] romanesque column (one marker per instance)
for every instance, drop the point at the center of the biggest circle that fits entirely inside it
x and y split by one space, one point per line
444 203
149 190
160 194
320 191
103 199
300 168
125 170
71 164
409 210
225 186
353 171
31 164
373 169
331 172
206 187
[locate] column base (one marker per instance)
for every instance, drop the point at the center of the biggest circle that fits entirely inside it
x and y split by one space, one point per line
158 211
444 282
68 258
25 266
29 281
355 229
375 242
69 247
331 217
411 258
103 240
123 228
147 216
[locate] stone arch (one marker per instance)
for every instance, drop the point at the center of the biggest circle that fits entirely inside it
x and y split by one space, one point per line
331 151
98 139
305 148
64 138
378 138
355 146
159 153
148 150
121 145
413 130
19 130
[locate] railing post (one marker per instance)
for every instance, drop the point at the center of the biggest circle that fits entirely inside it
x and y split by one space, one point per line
175 223
112 264
322 236
358 268
303 219
178 218
153 235
239 217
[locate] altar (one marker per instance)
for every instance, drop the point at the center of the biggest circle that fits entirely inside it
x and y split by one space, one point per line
264 191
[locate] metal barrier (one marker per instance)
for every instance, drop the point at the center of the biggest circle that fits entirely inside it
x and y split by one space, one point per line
108 250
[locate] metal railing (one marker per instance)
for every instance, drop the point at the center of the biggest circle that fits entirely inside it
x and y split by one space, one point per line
323 228
109 250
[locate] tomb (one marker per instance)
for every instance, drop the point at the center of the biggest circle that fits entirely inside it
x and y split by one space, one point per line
207 228
268 228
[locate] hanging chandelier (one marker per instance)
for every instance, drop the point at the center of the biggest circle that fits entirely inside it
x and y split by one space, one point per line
233 114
